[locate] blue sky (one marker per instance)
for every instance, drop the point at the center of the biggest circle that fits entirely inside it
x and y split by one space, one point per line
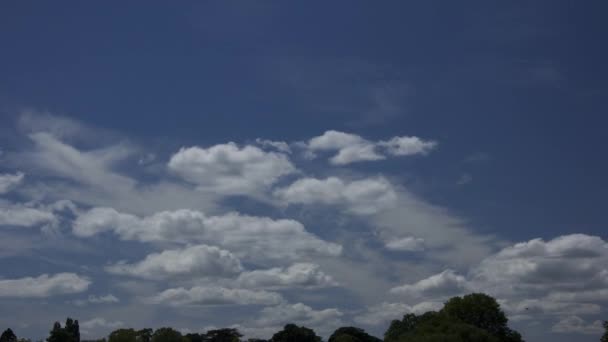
362 147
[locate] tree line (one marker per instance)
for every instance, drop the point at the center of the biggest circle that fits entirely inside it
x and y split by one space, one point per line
476 317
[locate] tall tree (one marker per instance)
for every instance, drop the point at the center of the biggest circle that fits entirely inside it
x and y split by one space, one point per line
73 329
8 336
59 334
294 333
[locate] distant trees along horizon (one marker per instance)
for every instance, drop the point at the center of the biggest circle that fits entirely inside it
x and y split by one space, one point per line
476 317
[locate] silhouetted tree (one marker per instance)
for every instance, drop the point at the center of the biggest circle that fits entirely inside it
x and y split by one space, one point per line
167 334
59 334
73 329
481 311
123 335
8 336
256 340
223 335
294 333
605 336
144 335
352 334
401 327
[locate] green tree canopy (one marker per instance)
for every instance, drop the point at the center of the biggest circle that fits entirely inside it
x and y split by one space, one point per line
352 334
483 312
123 335
294 333
167 334
144 335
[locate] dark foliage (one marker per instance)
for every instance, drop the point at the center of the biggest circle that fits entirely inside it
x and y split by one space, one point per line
8 336
69 333
294 333
352 334
605 336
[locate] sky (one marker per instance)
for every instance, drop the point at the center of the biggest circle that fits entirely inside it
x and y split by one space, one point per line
248 164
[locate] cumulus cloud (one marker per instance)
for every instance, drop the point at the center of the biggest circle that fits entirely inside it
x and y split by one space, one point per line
280 146
441 285
567 263
193 261
215 295
408 244
251 237
407 146
366 196
299 274
575 324
93 299
18 215
563 276
9 181
44 285
354 148
228 169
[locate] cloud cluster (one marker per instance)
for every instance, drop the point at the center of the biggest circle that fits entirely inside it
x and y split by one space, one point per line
352 148
565 277
215 295
228 169
366 196
44 285
296 275
192 262
250 237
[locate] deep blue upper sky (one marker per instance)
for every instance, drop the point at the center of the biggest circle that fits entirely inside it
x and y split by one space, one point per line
514 92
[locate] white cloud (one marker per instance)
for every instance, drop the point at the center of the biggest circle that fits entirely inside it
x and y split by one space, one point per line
91 168
323 321
567 263
17 215
441 285
43 285
354 148
10 181
93 299
250 237
575 324
192 262
351 148
227 169
408 244
299 274
407 146
367 196
280 146
214 295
